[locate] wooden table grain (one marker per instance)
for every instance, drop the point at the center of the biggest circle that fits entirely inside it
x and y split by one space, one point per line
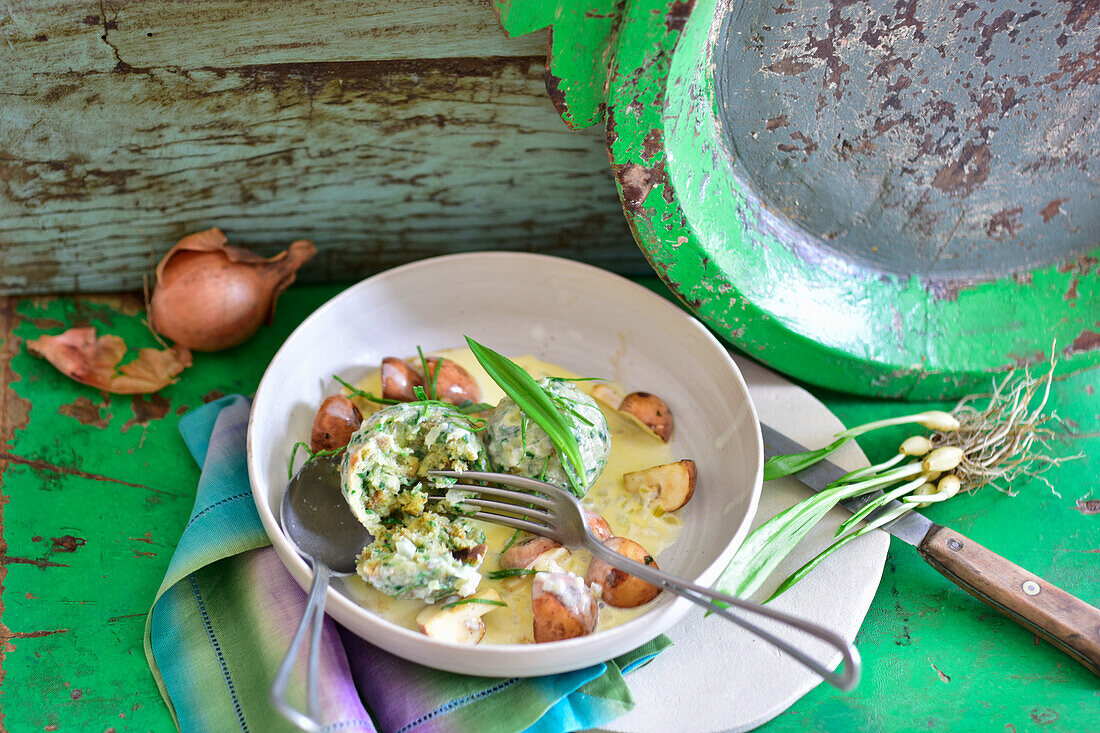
95 490
385 132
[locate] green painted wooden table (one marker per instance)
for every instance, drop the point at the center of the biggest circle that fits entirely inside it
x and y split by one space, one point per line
96 489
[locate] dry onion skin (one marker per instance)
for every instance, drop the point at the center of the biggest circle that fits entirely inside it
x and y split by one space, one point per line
80 355
210 295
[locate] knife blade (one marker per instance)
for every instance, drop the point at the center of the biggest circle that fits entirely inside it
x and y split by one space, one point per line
1064 620
910 527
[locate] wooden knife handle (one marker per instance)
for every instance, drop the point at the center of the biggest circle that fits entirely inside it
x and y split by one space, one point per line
1065 621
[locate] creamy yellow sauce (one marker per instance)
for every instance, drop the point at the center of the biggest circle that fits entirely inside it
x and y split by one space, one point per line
633 448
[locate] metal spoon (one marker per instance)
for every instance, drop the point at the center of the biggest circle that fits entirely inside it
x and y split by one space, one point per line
316 518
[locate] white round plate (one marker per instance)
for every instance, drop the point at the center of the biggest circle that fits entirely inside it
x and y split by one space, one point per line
580 317
717 677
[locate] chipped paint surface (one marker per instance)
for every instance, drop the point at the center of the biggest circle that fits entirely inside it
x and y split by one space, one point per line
145 409
912 137
86 412
14 417
92 516
576 67
94 491
637 181
863 318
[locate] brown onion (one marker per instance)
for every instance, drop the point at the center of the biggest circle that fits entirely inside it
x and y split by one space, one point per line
210 296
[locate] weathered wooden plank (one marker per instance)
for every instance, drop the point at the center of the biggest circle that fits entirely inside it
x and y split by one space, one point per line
39 36
377 162
57 35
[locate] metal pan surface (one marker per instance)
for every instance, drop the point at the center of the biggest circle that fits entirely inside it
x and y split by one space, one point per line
897 199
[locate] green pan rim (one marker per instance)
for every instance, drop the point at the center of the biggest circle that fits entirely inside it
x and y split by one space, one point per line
759 283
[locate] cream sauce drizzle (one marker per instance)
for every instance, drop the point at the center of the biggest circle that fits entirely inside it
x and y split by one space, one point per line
633 448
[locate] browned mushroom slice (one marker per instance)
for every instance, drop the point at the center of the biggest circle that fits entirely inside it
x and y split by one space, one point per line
598 524
608 395
563 607
453 383
399 379
461 623
532 552
621 589
671 484
471 555
336 420
651 410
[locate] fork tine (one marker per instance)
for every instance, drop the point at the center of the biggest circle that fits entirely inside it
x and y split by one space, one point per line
523 511
505 494
505 479
532 527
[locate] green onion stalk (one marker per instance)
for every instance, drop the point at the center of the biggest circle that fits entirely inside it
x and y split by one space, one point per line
539 405
967 448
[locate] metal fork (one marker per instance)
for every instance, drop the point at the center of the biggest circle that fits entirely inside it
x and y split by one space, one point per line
550 511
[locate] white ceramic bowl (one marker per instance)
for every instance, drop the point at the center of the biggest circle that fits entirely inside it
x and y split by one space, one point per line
581 317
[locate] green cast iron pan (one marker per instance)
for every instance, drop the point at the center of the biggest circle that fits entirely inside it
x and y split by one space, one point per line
888 198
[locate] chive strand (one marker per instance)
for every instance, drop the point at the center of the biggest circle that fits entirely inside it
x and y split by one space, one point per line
430 377
511 573
310 455
356 392
512 540
464 601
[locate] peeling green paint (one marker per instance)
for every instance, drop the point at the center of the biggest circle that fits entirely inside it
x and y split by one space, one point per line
92 515
577 61
781 297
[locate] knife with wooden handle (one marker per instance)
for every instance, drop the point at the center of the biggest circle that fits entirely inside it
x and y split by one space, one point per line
1065 621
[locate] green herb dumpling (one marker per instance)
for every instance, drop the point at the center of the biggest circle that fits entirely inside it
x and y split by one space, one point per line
427 557
519 446
417 552
385 468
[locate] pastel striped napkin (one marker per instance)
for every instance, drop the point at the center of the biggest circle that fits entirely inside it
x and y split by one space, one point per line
226 611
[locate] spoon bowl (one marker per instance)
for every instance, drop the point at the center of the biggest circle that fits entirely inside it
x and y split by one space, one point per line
315 516
317 520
